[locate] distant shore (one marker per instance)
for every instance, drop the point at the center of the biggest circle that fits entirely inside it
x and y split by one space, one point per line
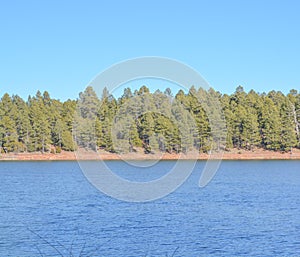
234 154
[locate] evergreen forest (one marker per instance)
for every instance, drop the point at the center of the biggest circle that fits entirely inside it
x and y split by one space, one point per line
145 120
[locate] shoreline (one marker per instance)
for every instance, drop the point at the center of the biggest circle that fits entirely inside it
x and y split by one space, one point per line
234 154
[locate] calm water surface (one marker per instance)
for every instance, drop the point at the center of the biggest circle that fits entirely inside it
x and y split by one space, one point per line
251 208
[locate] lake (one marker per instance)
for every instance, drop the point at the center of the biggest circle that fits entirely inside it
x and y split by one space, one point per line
250 208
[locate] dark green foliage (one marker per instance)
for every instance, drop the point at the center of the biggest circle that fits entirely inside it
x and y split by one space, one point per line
8 131
152 122
242 119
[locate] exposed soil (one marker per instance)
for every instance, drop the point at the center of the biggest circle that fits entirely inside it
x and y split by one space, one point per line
234 154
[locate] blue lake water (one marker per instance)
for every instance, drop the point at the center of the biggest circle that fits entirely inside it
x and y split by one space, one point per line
250 208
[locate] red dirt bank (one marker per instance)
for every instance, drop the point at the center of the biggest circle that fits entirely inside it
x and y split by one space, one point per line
234 154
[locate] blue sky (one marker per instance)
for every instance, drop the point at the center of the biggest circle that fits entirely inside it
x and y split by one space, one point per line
59 46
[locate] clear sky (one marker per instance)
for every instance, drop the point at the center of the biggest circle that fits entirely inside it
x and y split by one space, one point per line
59 46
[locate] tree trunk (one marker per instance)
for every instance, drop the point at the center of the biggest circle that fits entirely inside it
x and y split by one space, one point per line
297 125
43 145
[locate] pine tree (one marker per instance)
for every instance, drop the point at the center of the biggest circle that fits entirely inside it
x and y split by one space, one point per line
229 117
288 132
8 130
106 113
294 102
22 122
40 135
85 118
270 125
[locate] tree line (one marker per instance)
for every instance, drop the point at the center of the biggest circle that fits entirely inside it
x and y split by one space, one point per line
158 121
